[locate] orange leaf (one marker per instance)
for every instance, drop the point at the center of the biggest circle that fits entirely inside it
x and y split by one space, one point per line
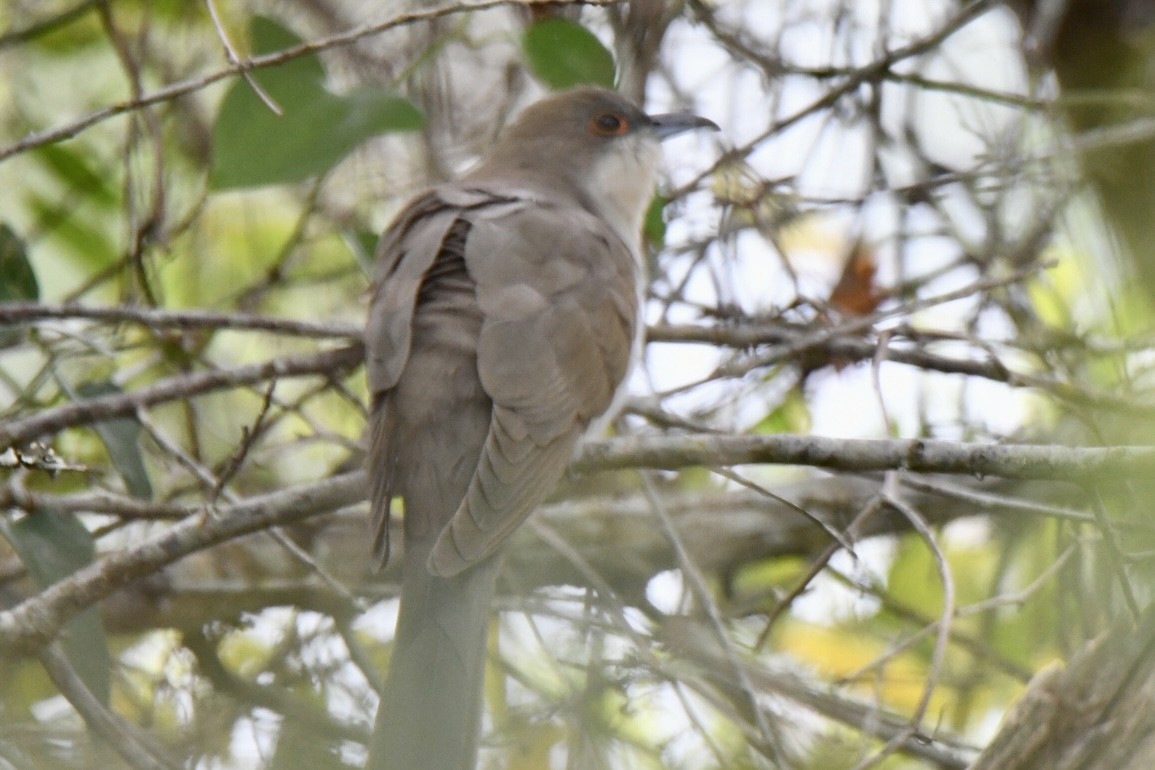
856 293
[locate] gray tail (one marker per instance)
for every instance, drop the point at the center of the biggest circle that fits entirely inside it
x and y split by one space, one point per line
430 712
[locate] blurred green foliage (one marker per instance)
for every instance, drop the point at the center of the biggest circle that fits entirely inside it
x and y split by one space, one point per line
564 54
253 145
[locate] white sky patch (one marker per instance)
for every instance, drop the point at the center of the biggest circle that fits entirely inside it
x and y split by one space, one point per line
665 591
380 619
827 157
828 601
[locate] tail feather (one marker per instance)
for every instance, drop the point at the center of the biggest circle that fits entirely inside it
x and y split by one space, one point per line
430 712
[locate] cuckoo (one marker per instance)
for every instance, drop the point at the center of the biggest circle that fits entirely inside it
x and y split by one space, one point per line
504 317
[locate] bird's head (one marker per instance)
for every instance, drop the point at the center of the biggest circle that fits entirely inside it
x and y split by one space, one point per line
592 143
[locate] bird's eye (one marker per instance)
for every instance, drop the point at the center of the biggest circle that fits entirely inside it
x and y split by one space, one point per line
609 124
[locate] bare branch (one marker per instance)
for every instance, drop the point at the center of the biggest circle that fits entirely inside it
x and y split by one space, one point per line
154 318
135 747
1011 461
34 621
192 85
793 341
47 421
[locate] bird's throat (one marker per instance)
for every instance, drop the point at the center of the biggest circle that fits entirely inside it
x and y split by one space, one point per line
624 179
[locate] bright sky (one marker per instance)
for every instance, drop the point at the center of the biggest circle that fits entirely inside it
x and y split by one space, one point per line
832 161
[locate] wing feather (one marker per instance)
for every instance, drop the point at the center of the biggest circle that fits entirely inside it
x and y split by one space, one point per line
558 293
418 250
494 508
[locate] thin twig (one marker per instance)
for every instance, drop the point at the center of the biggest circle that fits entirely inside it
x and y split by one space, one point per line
617 611
697 582
178 388
249 436
128 741
192 85
942 637
869 72
1115 551
1011 461
234 59
26 312
738 478
817 564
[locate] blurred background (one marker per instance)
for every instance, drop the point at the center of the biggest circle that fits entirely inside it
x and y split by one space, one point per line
922 219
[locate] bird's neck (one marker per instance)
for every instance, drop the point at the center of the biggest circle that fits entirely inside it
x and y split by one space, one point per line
619 188
616 186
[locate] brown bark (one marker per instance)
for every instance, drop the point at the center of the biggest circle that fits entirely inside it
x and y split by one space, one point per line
1095 713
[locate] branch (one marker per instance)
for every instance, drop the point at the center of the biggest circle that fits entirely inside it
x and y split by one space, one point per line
795 341
612 545
1010 461
1095 712
48 421
133 745
34 621
12 313
191 85
38 619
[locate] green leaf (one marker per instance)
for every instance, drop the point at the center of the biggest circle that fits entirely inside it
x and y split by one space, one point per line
363 244
253 146
791 415
81 237
52 546
119 435
654 225
74 169
17 279
563 54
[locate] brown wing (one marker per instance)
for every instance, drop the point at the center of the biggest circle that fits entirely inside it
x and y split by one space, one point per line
559 296
405 253
412 251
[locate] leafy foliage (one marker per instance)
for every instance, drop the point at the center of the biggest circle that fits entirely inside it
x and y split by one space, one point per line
564 54
881 245
52 546
253 145
17 279
121 437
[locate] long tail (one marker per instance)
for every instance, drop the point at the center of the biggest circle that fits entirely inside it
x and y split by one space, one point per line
427 433
430 712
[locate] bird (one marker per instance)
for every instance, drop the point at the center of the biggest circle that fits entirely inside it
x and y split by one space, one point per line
503 319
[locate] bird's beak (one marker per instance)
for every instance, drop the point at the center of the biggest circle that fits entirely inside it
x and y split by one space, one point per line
673 123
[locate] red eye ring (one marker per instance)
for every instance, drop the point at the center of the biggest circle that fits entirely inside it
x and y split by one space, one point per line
609 124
